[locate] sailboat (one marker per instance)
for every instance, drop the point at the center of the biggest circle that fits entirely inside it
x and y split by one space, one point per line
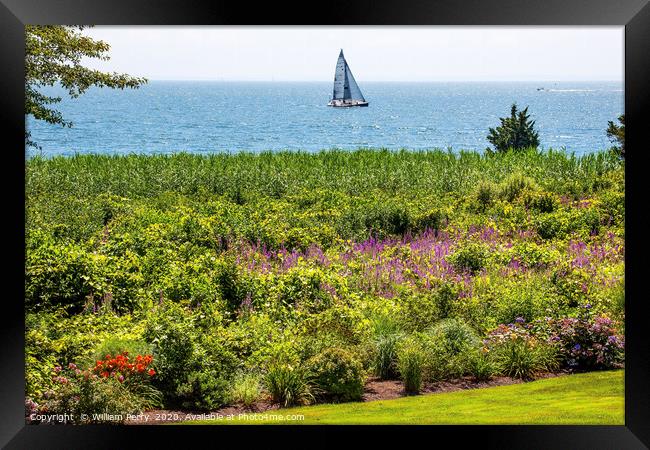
346 90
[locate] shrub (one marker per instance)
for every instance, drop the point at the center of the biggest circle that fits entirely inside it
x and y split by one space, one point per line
532 255
60 274
445 297
379 218
471 257
429 220
170 334
193 368
410 361
485 194
246 388
288 385
419 311
588 341
58 339
446 345
228 280
551 225
455 335
135 373
337 375
205 389
544 202
514 185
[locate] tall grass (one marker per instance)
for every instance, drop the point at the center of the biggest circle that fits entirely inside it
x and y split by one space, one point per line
281 173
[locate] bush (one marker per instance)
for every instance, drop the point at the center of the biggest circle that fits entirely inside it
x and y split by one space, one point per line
532 255
205 389
410 361
62 275
419 311
58 339
194 368
337 375
446 345
288 385
544 202
380 218
485 194
471 257
588 342
429 220
514 185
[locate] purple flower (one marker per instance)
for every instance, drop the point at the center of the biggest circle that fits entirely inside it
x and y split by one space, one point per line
577 347
519 320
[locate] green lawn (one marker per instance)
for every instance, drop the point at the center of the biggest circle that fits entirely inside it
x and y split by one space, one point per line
595 398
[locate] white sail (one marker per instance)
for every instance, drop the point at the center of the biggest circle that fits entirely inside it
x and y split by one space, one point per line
345 86
340 79
355 92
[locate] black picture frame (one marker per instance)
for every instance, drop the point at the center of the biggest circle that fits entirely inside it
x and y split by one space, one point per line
633 14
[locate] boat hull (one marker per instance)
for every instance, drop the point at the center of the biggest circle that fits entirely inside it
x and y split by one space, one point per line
346 104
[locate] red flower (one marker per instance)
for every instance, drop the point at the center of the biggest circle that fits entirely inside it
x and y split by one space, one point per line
151 372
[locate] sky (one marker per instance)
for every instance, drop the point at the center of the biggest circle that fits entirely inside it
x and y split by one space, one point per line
387 53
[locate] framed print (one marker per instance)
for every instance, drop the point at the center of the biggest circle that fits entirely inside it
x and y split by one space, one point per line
382 218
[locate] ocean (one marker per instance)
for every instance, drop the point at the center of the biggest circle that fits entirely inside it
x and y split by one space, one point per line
218 116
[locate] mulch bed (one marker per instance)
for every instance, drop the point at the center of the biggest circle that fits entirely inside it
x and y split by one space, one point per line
375 389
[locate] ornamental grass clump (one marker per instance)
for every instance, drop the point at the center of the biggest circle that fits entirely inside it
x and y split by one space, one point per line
386 334
246 388
410 362
518 353
481 365
288 385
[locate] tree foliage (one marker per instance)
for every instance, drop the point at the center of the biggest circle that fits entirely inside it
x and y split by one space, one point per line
515 132
616 133
54 54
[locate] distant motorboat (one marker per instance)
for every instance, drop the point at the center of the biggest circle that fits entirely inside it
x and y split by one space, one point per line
346 91
540 89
